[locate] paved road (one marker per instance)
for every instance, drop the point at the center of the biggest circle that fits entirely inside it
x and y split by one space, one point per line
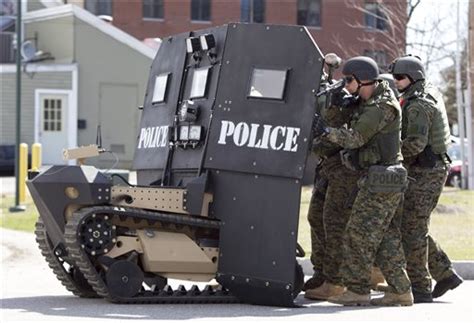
30 292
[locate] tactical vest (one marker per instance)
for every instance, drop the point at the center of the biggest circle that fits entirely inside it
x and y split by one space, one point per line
431 99
384 147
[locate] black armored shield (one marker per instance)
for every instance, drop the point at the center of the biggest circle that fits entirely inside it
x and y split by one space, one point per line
233 107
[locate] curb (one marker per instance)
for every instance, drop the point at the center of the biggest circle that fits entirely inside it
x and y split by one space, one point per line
464 268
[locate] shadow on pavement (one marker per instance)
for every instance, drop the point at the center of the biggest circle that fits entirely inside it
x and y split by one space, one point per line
98 308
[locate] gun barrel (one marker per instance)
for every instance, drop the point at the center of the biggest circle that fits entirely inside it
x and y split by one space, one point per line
331 88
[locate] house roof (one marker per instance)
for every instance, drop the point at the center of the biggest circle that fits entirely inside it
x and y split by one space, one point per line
89 18
7 23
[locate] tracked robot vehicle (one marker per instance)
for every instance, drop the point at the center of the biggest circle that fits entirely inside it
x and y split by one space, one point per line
224 136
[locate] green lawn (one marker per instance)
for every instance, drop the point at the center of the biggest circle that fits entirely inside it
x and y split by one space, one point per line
24 221
452 224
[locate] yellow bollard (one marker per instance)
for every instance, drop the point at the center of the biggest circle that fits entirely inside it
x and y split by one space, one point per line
35 157
22 172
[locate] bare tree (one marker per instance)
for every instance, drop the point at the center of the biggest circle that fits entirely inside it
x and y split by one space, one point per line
392 18
448 75
425 38
399 32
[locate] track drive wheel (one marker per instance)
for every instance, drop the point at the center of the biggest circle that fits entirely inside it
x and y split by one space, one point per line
66 273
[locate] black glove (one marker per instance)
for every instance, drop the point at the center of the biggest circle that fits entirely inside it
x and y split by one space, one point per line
319 126
343 99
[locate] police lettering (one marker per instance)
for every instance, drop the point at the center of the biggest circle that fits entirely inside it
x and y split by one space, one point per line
259 136
153 137
381 178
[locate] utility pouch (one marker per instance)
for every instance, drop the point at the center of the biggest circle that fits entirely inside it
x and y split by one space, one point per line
388 145
387 179
350 158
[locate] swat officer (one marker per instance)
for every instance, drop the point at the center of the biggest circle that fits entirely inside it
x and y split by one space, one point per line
327 216
372 144
340 193
425 136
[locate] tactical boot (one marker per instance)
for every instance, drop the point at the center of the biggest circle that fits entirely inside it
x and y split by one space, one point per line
383 288
324 291
314 282
420 297
392 299
446 284
377 280
349 298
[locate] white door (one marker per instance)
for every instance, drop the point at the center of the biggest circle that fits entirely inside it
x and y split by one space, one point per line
53 134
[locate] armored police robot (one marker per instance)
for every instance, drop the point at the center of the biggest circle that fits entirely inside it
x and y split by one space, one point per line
224 136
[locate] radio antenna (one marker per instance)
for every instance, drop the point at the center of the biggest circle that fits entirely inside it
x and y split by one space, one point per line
98 140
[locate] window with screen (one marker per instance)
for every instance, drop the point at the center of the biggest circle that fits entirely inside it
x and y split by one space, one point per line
309 13
252 11
159 90
153 9
99 7
52 114
199 83
375 17
201 10
267 84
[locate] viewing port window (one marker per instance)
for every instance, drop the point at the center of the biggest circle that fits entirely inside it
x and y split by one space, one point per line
199 83
268 84
161 85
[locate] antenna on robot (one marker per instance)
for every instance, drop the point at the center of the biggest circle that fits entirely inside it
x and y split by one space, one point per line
98 140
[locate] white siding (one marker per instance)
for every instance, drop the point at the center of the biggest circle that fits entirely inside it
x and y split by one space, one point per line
30 82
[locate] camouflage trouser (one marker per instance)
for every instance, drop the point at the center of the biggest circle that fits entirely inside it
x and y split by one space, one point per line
438 262
315 219
373 233
341 192
420 200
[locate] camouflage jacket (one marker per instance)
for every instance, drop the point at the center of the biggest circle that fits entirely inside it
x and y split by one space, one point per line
334 116
424 121
379 115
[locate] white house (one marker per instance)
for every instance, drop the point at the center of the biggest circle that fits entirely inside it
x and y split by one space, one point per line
92 74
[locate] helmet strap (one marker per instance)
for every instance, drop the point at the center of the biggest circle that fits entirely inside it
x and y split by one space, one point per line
366 84
409 85
360 84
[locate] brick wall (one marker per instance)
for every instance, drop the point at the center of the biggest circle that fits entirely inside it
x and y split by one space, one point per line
341 22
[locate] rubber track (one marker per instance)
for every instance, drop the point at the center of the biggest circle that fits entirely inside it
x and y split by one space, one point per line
163 296
55 264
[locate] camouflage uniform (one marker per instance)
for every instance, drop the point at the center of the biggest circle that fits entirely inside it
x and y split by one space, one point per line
425 135
372 229
341 192
315 219
439 264
329 210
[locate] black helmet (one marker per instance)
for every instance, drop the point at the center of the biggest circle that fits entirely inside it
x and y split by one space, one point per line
408 65
362 67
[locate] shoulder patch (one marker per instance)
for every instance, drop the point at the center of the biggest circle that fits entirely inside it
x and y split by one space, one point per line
413 114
